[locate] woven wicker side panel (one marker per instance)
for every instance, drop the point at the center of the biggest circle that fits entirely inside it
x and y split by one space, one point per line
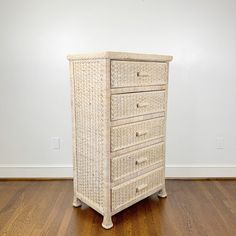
127 73
133 189
135 104
90 102
135 161
130 134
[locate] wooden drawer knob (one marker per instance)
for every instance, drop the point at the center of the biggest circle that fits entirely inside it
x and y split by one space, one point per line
141 187
139 134
142 104
140 161
142 74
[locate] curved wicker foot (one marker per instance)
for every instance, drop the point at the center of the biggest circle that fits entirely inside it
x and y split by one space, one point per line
76 202
107 222
162 193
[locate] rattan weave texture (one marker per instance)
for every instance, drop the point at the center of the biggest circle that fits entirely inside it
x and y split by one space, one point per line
137 187
134 161
119 116
130 134
126 74
136 104
90 87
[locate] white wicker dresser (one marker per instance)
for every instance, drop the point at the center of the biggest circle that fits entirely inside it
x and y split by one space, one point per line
119 115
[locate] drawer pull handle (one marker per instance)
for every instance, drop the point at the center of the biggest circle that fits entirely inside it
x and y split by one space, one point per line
139 134
141 187
142 104
140 161
142 74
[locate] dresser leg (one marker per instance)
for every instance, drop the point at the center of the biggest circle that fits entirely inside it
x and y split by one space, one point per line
162 193
76 202
107 222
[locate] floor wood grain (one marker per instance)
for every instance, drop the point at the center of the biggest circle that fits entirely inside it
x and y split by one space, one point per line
203 207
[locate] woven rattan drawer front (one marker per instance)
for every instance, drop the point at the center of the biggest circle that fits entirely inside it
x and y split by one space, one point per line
135 161
135 104
134 189
130 73
130 134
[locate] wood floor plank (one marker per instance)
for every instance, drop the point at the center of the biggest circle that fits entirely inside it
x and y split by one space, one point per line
224 223
16 215
45 206
192 208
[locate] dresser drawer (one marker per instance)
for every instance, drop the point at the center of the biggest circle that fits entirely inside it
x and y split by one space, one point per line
130 134
135 104
136 188
135 161
130 73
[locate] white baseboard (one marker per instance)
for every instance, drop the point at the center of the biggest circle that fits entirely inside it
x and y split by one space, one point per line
66 171
36 171
200 171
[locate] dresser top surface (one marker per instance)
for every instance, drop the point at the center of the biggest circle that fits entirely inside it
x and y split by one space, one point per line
120 56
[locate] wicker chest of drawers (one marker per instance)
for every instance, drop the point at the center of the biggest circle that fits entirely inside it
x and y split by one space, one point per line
119 118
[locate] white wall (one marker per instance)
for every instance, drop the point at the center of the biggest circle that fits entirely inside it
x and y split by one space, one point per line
36 36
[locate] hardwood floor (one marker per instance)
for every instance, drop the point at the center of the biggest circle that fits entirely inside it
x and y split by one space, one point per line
192 208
